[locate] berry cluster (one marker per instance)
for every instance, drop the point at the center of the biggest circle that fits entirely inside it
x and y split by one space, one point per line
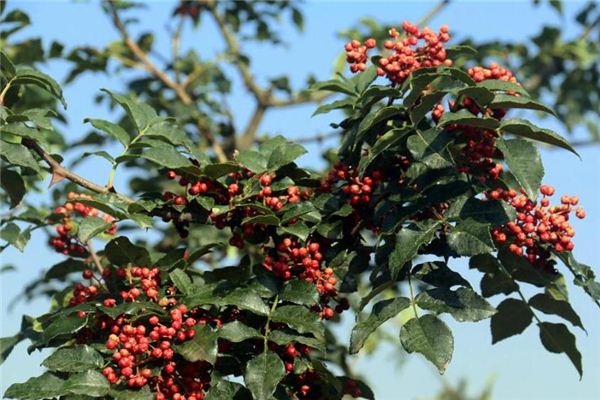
417 49
346 179
66 242
495 71
539 227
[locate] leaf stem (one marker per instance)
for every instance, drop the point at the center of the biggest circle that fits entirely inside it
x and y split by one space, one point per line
268 323
412 296
5 90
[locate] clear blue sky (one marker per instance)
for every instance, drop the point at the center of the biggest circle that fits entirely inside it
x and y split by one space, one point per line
521 367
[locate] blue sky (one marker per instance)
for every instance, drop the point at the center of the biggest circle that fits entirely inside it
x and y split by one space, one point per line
520 366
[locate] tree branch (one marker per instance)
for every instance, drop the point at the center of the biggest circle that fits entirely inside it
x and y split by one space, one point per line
163 77
62 172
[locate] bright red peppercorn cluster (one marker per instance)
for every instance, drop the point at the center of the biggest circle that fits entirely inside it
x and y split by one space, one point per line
346 179
539 227
416 49
66 242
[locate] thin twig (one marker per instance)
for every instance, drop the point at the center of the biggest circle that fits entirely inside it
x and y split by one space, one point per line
95 257
62 172
433 12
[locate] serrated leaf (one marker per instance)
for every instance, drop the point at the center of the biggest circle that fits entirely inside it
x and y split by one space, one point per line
381 312
300 292
502 86
384 142
408 242
299 229
227 390
512 318
14 186
556 338
253 160
262 219
114 130
438 274
285 154
383 114
263 374
25 75
479 94
45 386
238 332
469 238
522 127
281 338
430 148
524 161
89 383
464 304
166 156
335 85
465 117
90 227
181 281
18 154
12 234
120 251
508 101
548 305
202 347
485 211
299 318
431 337
63 326
335 105
142 115
74 359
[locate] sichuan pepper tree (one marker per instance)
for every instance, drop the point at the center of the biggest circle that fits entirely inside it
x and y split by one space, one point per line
431 167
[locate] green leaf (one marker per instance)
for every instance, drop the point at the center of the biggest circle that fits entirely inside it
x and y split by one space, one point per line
63 326
480 95
281 338
74 359
13 235
335 105
512 318
502 86
262 219
431 337
299 229
27 76
263 374
465 117
114 130
298 19
469 238
438 274
227 390
556 338
382 311
548 305
64 268
253 160
142 115
335 85
299 318
92 226
7 345
508 101
464 304
584 275
300 292
88 383
408 242
46 386
238 332
18 154
285 154
524 161
181 281
494 212
430 148
202 347
7 68
166 156
522 127
383 114
14 186
384 142
142 394
120 251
